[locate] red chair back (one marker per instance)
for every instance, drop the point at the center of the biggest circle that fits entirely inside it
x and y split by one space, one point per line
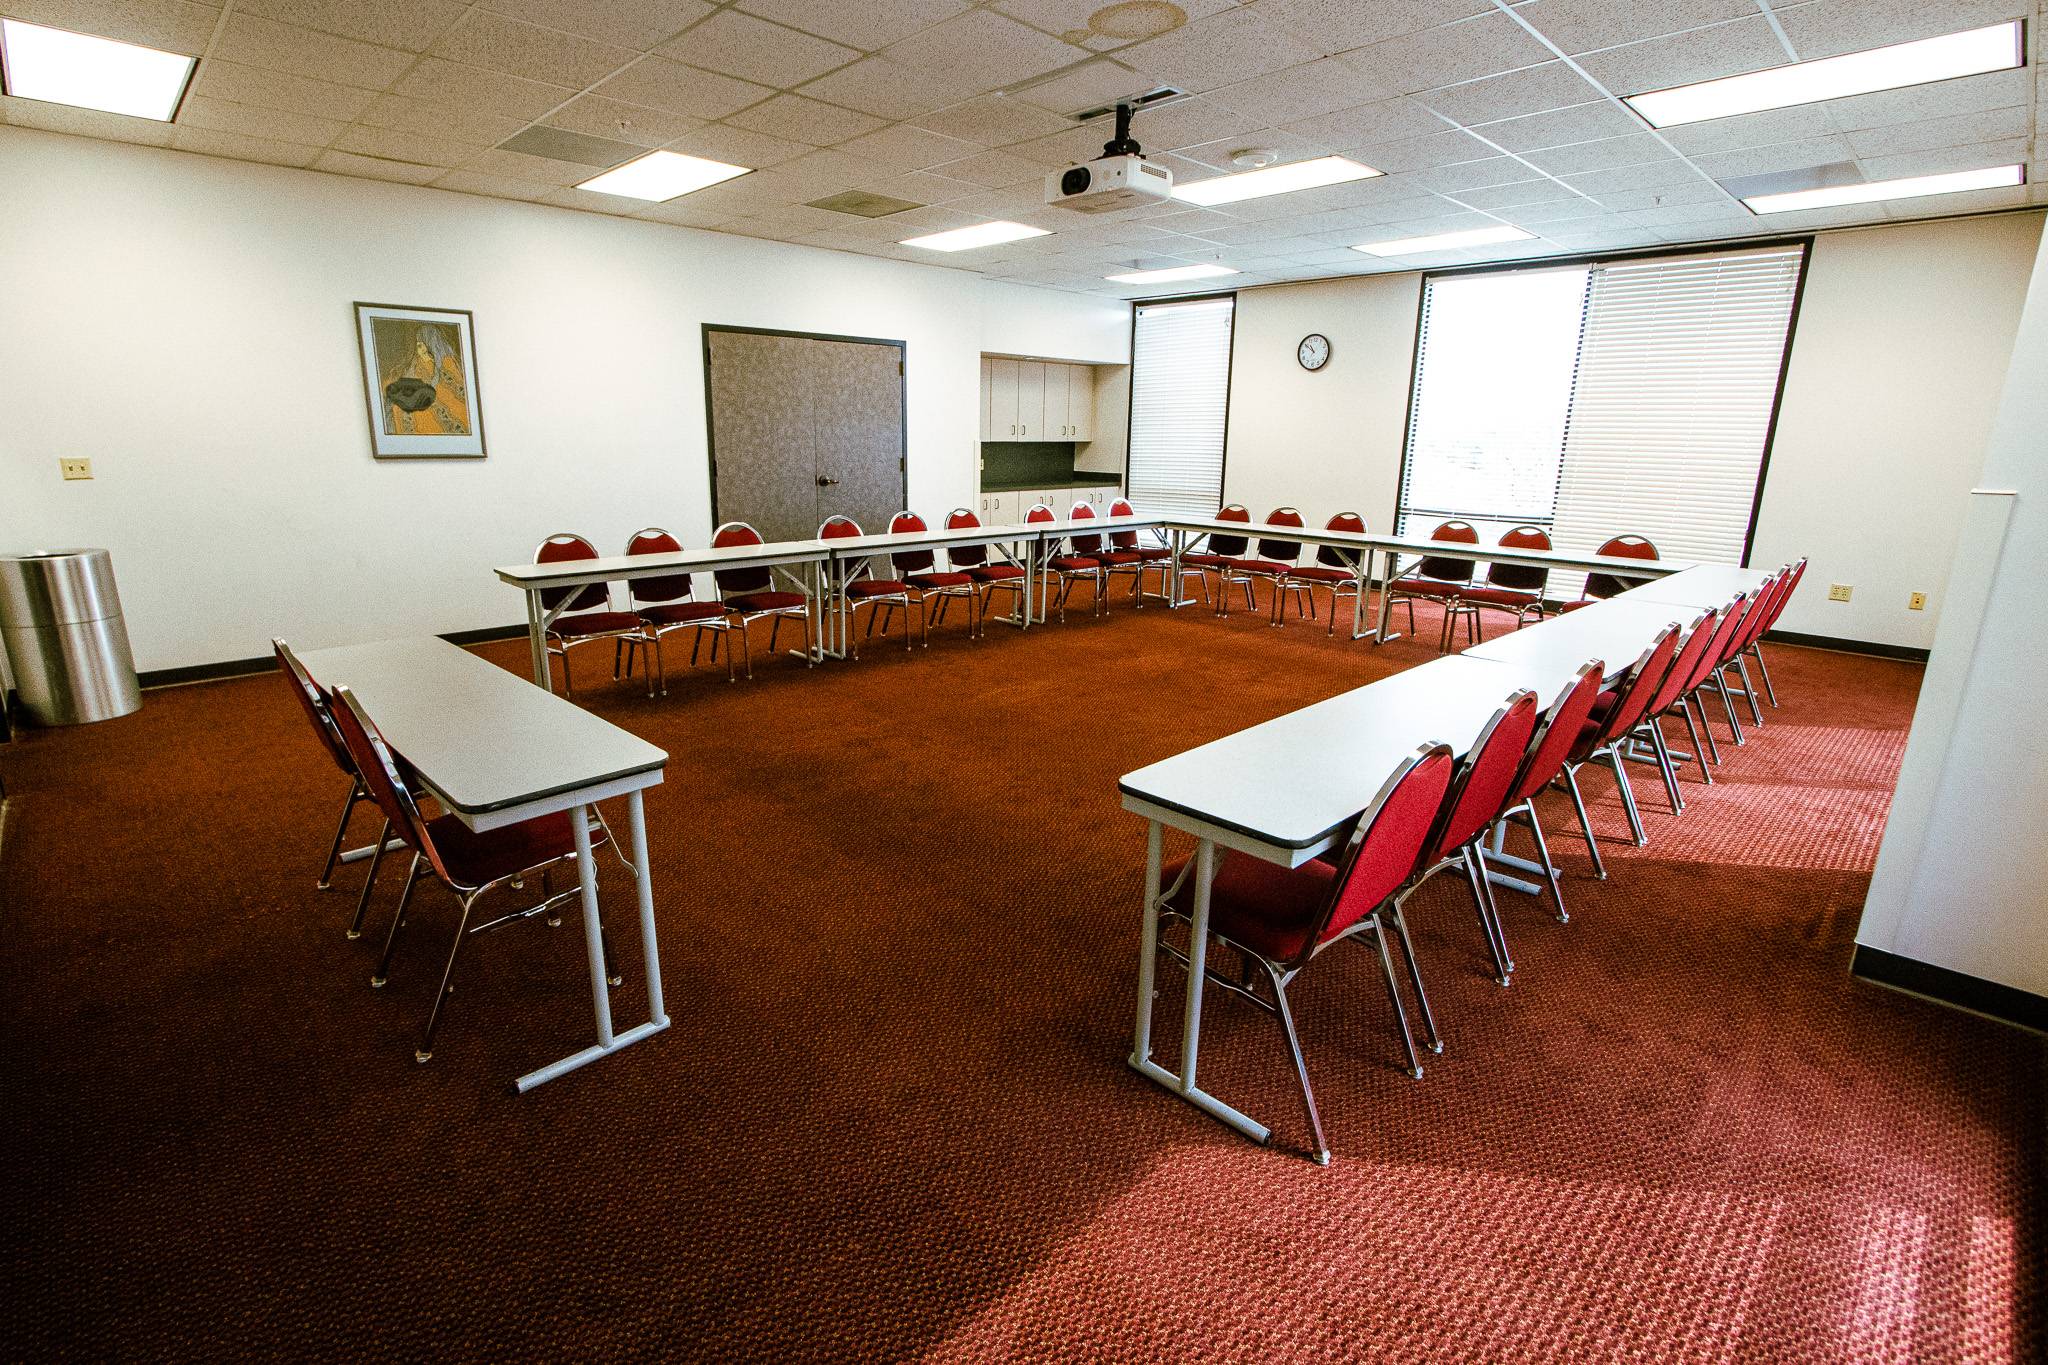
1282 551
559 548
1480 791
1335 556
1447 570
315 704
910 561
1737 619
1388 840
730 581
964 556
1626 547
1694 656
1632 693
376 761
1123 540
1766 611
1229 546
1520 577
1084 545
1555 733
1791 586
668 587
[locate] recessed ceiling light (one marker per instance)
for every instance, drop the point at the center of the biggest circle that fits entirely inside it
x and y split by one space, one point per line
1445 241
661 176
1171 273
1295 175
968 238
1995 48
61 67
1911 187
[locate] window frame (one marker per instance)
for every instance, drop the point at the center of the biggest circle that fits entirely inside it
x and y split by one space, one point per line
1229 378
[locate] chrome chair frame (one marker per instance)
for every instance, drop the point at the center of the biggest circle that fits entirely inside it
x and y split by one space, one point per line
652 632
555 643
744 620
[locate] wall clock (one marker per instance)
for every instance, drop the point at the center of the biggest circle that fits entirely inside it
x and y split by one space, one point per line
1314 351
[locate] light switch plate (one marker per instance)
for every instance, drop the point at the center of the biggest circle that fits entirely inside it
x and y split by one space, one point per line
76 469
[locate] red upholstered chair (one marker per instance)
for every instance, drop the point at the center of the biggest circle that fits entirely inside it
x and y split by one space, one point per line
667 604
1082 561
1335 568
1512 588
586 612
1439 578
989 576
1727 636
920 569
468 863
1601 585
1551 743
1271 561
1615 712
1694 656
750 593
1218 549
1278 919
1478 795
858 587
1755 648
1121 553
1768 600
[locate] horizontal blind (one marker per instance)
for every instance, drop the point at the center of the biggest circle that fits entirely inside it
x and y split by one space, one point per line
1180 391
1678 373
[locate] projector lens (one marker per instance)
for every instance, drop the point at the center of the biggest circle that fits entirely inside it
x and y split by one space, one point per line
1075 180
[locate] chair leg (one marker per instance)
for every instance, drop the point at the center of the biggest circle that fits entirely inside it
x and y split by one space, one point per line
1543 855
1432 1040
1379 939
1571 782
1308 1099
1692 733
348 808
1628 795
746 645
1664 764
425 1051
775 629
1756 651
1756 716
1728 705
1489 918
1706 731
412 876
355 925
810 655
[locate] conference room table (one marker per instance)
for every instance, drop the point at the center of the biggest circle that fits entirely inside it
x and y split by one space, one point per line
1702 585
494 752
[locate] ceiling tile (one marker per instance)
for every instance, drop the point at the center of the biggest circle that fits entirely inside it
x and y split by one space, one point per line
1299 92
450 83
376 168
200 111
993 169
1088 86
1067 148
1385 121
1779 156
1653 175
278 90
683 213
1532 90
1340 25
497 43
985 49
1584 123
1447 148
590 201
907 147
1185 123
993 121
1751 130
1589 25
1517 194
596 116
868 25
411 25
738 146
805 120
395 144
1971 156
1576 158
1471 175
170 25
519 166
662 84
1572 210
1698 191
638 24
878 86
1699 55
1968 95
1974 201
302 52
1205 157
1449 53
236 147
496 186
737 44
1222 49
923 187
1833 27
463 123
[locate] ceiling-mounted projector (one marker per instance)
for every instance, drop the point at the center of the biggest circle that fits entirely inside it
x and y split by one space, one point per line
1120 178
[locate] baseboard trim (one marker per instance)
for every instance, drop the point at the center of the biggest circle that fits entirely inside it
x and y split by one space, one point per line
1792 637
265 663
2006 1004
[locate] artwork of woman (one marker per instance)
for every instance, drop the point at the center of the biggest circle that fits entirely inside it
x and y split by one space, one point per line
425 391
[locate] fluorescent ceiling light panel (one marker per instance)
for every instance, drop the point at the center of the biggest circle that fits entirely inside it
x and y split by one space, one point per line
1912 187
1171 274
60 67
968 238
661 176
1445 241
1295 175
1996 48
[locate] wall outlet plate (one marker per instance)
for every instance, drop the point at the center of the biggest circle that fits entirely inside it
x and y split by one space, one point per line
76 469
1838 592
1917 602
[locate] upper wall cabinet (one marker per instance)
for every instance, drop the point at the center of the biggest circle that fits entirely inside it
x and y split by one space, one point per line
1036 400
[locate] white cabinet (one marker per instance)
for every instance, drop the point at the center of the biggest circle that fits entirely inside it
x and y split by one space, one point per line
1031 401
1002 509
1080 402
1057 426
1005 422
988 392
1035 400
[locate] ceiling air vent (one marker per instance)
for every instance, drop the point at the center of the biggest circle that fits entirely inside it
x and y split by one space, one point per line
863 204
1827 177
557 144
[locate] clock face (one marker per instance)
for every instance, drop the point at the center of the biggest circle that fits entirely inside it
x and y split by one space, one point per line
1314 351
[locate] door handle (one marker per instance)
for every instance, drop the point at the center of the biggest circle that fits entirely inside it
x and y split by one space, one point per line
824 482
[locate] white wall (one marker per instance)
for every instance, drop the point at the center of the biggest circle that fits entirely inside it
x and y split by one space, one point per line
186 323
1960 876
1902 343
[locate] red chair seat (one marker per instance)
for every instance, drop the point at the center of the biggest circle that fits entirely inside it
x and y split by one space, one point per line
995 573
877 587
1074 564
474 858
594 623
1205 561
1499 597
1152 553
1269 909
1429 587
681 613
765 601
1323 573
1584 602
940 580
1266 566
1120 557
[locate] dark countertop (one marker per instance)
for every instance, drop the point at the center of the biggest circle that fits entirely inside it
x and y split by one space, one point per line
1077 479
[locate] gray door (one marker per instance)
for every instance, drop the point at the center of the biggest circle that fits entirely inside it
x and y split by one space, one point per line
803 428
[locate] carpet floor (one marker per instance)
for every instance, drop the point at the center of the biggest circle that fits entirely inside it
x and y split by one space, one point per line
898 905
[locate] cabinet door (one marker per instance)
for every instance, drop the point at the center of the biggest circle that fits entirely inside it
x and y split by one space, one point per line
987 393
1003 422
1004 509
1081 402
1031 401
1058 426
1061 500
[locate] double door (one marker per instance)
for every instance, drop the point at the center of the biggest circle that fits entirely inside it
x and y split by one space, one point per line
804 428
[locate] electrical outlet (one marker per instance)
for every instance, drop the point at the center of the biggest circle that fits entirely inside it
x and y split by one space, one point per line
1917 602
76 469
1838 592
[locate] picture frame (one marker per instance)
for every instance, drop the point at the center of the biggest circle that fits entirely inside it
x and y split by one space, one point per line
420 383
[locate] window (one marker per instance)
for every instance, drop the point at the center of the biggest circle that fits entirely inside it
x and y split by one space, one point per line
1180 394
1630 396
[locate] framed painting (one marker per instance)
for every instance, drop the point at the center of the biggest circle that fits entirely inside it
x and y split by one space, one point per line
420 381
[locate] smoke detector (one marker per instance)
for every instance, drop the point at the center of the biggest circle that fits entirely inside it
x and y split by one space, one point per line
1253 158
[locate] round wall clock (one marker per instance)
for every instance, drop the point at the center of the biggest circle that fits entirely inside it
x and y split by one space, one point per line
1314 351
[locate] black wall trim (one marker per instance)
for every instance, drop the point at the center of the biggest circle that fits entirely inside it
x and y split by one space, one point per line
265 663
2007 1004
1910 653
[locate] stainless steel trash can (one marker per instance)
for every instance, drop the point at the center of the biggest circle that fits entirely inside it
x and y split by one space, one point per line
60 620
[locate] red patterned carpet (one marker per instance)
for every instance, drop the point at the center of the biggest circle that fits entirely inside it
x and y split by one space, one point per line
898 907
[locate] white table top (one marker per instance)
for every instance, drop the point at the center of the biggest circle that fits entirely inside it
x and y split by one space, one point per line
1619 565
1616 632
482 739
610 568
1703 585
1290 786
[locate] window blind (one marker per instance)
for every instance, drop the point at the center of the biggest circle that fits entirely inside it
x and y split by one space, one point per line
1180 391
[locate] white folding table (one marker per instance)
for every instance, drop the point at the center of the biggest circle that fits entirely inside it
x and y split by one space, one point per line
1186 530
1615 631
1702 585
1418 547
494 752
